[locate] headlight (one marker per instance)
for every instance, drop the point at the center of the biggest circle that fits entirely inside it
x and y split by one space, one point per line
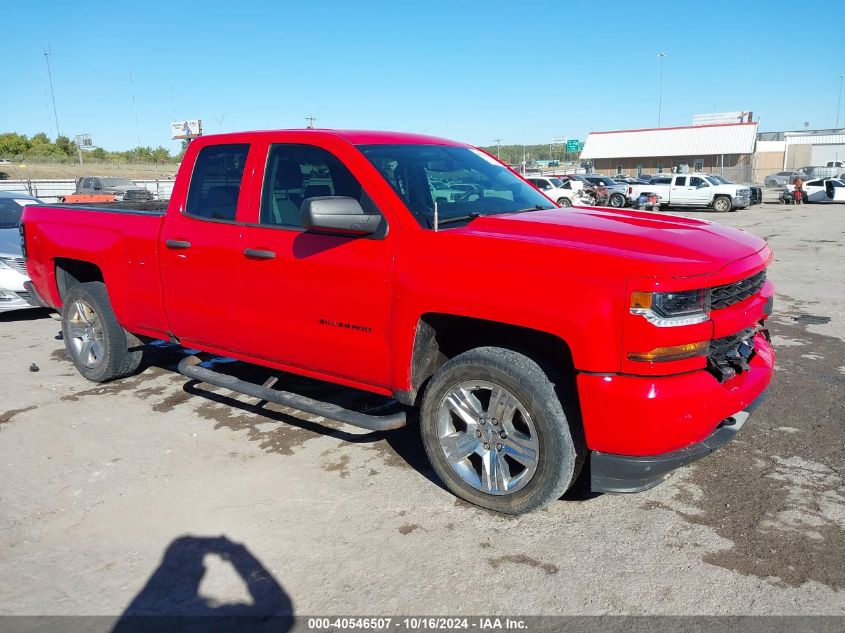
672 309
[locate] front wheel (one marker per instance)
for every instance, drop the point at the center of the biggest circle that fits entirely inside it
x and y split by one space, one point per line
564 202
495 432
99 347
617 201
722 204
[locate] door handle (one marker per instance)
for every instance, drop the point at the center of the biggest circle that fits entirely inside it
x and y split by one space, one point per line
177 245
257 253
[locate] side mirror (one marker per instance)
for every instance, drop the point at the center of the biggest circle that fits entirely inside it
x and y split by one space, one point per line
97 187
338 215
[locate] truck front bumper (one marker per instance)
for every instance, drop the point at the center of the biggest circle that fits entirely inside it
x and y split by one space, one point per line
626 473
652 424
740 202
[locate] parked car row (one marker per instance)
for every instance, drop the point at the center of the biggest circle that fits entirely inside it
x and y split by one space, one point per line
13 295
648 191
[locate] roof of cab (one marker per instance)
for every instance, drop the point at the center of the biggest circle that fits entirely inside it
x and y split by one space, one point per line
356 137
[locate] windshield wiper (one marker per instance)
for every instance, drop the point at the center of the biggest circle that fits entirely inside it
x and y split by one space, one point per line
459 218
536 207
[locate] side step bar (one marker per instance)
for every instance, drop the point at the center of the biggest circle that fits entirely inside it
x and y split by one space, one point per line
190 367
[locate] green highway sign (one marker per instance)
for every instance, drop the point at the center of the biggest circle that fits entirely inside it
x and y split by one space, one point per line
572 146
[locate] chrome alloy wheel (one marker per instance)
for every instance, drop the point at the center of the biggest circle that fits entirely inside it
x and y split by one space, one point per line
488 437
87 340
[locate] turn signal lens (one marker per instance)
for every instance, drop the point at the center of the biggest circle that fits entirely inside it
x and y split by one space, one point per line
675 352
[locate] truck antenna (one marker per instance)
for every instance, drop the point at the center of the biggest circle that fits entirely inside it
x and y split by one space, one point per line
435 215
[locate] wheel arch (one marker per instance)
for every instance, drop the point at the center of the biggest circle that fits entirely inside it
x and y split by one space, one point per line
70 272
442 336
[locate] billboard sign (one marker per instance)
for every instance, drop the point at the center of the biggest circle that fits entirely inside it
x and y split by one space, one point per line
718 118
190 128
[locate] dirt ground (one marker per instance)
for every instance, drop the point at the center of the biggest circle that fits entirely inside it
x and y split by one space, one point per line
158 495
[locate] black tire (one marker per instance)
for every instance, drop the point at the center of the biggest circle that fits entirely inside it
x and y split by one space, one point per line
557 457
722 204
564 202
617 201
114 359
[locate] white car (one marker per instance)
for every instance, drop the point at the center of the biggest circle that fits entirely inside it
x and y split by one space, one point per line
561 192
13 294
823 190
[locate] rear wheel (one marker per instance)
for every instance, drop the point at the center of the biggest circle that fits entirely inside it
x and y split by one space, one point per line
95 342
495 432
564 202
722 204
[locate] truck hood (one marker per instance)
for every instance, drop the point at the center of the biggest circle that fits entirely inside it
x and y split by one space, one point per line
647 242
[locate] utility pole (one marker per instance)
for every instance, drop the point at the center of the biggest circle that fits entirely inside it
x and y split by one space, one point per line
310 118
839 103
498 141
660 55
47 54
220 121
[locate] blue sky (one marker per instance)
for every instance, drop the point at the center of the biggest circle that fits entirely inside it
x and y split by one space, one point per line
471 70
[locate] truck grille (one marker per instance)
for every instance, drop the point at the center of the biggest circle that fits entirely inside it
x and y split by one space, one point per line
15 262
729 294
25 296
730 355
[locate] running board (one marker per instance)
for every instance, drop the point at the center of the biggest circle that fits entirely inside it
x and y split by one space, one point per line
190 367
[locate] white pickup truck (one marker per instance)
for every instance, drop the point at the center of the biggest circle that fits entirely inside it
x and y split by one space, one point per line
694 190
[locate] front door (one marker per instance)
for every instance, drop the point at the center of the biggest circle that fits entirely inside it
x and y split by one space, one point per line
200 252
317 302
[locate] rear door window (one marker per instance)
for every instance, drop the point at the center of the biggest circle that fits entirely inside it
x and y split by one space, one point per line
216 182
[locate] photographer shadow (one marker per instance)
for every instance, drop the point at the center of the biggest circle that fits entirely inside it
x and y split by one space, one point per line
171 600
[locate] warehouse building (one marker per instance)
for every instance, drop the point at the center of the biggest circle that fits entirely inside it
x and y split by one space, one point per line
726 148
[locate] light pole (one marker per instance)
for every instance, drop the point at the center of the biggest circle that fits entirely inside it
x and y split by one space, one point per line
839 103
47 54
498 141
660 55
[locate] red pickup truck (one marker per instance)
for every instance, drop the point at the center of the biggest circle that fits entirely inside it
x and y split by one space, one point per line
536 341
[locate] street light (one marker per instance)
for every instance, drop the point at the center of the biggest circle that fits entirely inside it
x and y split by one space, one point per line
839 103
660 55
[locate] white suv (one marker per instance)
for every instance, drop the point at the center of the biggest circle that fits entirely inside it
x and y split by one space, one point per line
556 189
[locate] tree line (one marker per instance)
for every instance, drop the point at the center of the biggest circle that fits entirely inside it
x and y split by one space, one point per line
512 154
16 147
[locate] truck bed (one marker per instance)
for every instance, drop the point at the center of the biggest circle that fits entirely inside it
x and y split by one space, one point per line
121 242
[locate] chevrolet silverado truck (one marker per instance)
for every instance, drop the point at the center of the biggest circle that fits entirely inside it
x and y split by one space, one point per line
535 342
694 190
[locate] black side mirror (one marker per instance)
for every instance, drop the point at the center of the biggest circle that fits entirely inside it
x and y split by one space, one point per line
338 215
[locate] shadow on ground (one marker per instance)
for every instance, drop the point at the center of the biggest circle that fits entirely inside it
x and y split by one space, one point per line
172 601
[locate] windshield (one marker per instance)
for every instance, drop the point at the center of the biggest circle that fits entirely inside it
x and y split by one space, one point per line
714 180
484 186
11 210
117 182
556 182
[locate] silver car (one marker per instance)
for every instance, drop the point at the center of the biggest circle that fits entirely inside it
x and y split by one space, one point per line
616 190
783 178
13 294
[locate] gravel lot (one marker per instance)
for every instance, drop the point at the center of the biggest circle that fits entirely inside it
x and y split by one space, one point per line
115 497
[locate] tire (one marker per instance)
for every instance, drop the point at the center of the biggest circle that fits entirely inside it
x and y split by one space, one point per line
564 202
95 341
617 201
533 424
722 204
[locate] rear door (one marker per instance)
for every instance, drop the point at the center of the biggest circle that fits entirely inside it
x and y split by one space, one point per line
679 191
200 251
312 301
